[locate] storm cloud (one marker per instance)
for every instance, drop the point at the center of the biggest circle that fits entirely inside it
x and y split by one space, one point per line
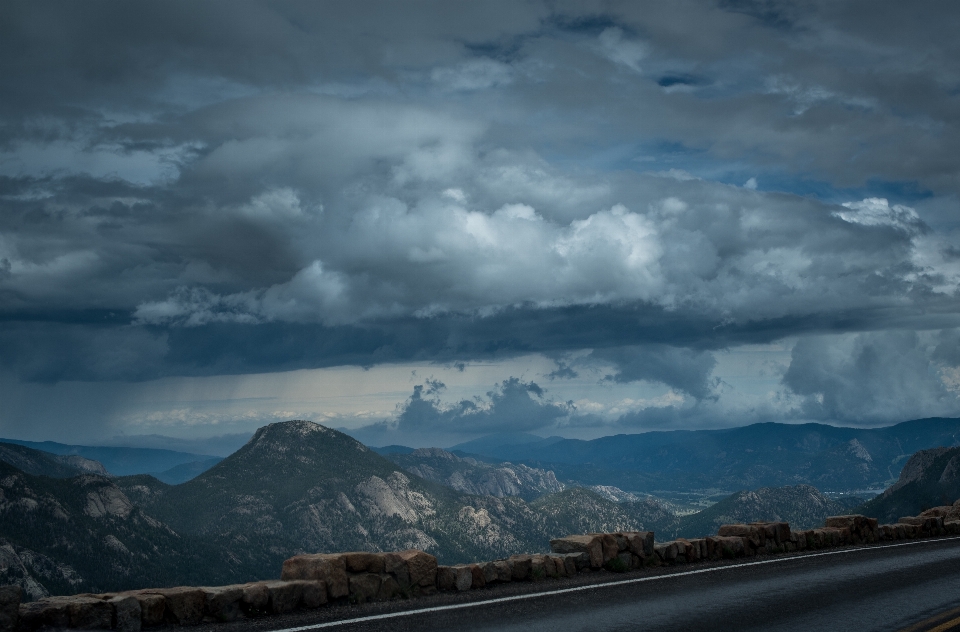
246 187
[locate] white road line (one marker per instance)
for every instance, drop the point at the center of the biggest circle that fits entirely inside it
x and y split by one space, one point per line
622 582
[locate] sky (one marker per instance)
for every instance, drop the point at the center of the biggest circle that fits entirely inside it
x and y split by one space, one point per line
423 222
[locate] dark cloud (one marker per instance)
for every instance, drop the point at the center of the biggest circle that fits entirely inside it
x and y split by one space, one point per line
513 406
686 370
232 187
874 378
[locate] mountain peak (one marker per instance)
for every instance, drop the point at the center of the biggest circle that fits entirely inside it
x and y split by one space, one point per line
283 437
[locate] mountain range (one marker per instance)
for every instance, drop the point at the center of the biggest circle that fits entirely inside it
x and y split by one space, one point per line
297 487
759 455
294 487
169 466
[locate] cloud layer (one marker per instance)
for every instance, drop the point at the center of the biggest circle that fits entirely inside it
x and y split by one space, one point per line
197 189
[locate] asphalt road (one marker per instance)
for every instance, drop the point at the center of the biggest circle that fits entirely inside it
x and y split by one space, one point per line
912 586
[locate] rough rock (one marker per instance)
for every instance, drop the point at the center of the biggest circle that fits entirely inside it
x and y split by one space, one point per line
222 602
152 607
256 598
76 611
183 605
9 607
412 568
589 544
126 613
364 587
329 568
521 567
361 562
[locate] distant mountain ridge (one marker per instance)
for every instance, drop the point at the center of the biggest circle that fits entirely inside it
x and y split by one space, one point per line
759 455
43 464
168 465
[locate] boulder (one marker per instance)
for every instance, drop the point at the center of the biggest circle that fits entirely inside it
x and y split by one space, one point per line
9 607
458 577
362 562
389 587
364 587
573 562
538 567
724 547
285 596
222 603
152 607
126 613
640 543
44 613
183 605
256 599
328 568
667 551
521 567
446 578
411 568
490 574
609 546
559 563
588 544
477 577
84 612
504 570
752 535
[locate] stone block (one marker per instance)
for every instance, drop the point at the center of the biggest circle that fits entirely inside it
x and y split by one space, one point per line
750 533
412 568
363 562
328 568
285 596
725 547
9 607
222 603
538 567
464 577
364 587
609 547
152 607
314 592
84 612
588 544
446 578
126 613
477 579
666 551
256 598
389 587
490 574
504 570
184 605
521 567
44 613
573 562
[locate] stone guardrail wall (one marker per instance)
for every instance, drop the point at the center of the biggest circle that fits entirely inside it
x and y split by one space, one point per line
313 580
